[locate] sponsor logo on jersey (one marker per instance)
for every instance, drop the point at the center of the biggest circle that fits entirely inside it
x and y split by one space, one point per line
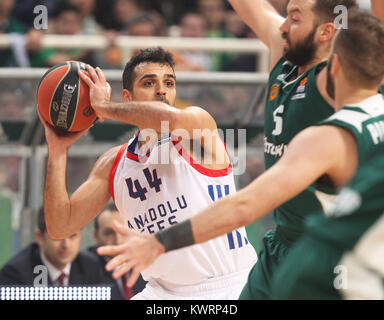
159 217
273 93
300 90
303 82
274 150
298 96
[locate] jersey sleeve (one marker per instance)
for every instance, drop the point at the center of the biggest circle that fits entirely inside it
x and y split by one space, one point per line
353 120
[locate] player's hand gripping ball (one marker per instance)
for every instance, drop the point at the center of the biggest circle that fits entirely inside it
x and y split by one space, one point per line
63 98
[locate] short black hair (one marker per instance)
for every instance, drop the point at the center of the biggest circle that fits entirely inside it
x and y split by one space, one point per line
364 66
110 207
151 55
41 221
324 9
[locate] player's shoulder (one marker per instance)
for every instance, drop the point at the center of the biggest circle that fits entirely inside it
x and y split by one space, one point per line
327 136
106 161
111 153
200 116
197 110
321 131
355 116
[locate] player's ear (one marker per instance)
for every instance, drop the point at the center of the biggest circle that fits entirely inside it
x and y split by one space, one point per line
127 95
326 32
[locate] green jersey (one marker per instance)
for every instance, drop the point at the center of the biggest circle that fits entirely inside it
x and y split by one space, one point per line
341 255
291 107
365 121
356 209
350 236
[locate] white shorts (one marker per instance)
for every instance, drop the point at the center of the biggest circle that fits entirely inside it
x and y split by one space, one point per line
227 287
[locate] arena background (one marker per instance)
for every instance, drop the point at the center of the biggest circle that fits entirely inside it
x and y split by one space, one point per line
234 97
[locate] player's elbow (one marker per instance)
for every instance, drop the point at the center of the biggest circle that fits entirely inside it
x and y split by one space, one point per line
57 220
56 233
179 124
169 117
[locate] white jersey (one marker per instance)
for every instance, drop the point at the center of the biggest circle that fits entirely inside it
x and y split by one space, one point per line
153 196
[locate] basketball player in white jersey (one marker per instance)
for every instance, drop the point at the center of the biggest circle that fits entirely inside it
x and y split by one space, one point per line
155 184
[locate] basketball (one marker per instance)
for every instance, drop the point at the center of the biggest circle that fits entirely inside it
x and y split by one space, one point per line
63 98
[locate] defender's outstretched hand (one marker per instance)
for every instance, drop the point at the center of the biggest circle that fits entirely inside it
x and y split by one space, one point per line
137 253
99 89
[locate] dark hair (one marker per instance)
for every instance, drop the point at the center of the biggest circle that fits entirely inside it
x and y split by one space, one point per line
151 55
62 7
110 207
324 9
364 66
41 221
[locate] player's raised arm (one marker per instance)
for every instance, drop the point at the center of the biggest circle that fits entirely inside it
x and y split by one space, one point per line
265 21
155 85
378 9
146 114
335 148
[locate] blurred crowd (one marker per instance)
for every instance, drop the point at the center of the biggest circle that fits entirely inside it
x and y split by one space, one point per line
111 19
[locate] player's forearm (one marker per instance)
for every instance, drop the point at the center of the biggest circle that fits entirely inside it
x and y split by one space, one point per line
247 9
221 217
56 200
240 209
142 114
261 17
265 21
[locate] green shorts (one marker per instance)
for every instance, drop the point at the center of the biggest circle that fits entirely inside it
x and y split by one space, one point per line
308 272
273 250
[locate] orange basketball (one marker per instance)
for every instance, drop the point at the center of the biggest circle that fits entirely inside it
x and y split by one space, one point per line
63 98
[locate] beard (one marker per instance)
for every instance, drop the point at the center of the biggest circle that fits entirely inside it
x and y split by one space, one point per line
303 52
330 81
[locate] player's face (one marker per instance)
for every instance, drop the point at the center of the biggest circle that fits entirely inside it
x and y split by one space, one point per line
60 252
154 82
299 31
106 235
